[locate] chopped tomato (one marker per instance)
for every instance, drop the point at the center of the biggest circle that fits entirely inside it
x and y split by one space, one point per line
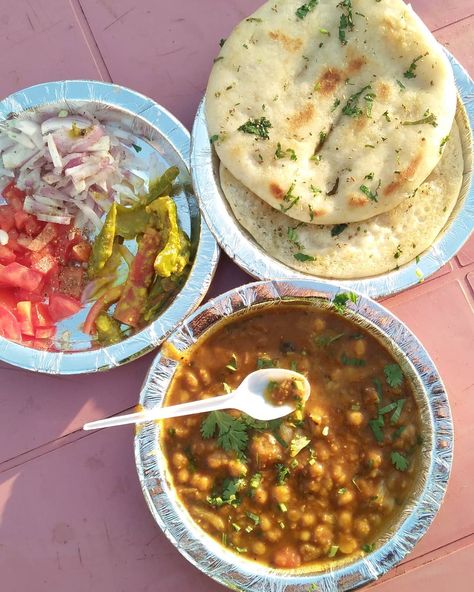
26 295
71 280
24 315
49 233
41 316
81 252
45 332
62 306
45 265
19 276
9 326
14 196
27 223
8 298
6 255
24 241
7 220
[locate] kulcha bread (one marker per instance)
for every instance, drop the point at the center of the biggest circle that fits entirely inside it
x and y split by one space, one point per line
331 112
357 249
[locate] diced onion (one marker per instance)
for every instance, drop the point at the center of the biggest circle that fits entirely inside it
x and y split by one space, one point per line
56 219
55 156
3 238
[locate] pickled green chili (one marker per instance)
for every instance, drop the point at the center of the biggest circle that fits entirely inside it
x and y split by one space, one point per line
162 185
108 329
103 244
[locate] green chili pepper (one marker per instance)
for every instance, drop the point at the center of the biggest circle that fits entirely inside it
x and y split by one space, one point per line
103 244
175 254
108 329
131 221
162 185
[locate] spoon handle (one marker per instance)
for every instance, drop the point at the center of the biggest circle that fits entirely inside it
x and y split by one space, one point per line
203 406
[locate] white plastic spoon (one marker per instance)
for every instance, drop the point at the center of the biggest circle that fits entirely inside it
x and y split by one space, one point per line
249 397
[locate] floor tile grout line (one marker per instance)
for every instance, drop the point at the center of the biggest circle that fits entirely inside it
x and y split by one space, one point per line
90 39
464 18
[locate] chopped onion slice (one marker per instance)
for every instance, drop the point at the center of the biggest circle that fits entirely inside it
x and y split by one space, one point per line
55 123
90 214
56 219
3 238
55 156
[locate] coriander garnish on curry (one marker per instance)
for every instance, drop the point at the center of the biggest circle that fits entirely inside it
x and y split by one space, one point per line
324 483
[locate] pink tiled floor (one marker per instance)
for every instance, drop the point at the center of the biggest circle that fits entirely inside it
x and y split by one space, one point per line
72 516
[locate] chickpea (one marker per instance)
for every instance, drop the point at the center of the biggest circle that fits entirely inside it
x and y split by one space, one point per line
309 552
205 377
347 544
281 493
179 460
355 418
345 498
319 325
322 451
361 527
237 468
180 431
316 470
191 380
339 475
265 523
259 548
183 476
294 515
260 496
327 483
201 482
313 486
344 520
217 459
308 519
359 347
374 458
274 535
305 536
328 518
323 535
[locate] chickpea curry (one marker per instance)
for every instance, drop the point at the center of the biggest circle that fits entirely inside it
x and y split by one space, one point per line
320 485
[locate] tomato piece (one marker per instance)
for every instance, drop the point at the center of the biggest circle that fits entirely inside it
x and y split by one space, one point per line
33 226
71 280
41 316
45 265
20 219
19 276
7 219
49 233
9 325
6 255
14 196
24 241
62 306
20 295
45 332
81 252
8 298
24 313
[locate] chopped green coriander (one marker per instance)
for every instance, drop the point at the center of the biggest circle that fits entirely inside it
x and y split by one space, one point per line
429 118
226 388
372 195
443 142
297 444
136 147
253 517
326 340
399 461
351 108
356 362
333 551
265 363
401 85
289 198
255 481
410 73
393 375
346 22
398 432
370 176
292 235
336 104
213 138
315 190
337 229
232 365
368 548
387 116
377 426
282 507
279 153
306 8
282 474
236 527
341 491
340 300
398 252
257 127
231 432
303 257
398 411
294 366
229 495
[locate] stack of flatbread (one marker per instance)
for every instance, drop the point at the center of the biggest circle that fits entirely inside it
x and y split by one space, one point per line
334 125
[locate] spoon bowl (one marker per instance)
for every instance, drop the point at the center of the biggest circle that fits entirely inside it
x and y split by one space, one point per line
250 397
